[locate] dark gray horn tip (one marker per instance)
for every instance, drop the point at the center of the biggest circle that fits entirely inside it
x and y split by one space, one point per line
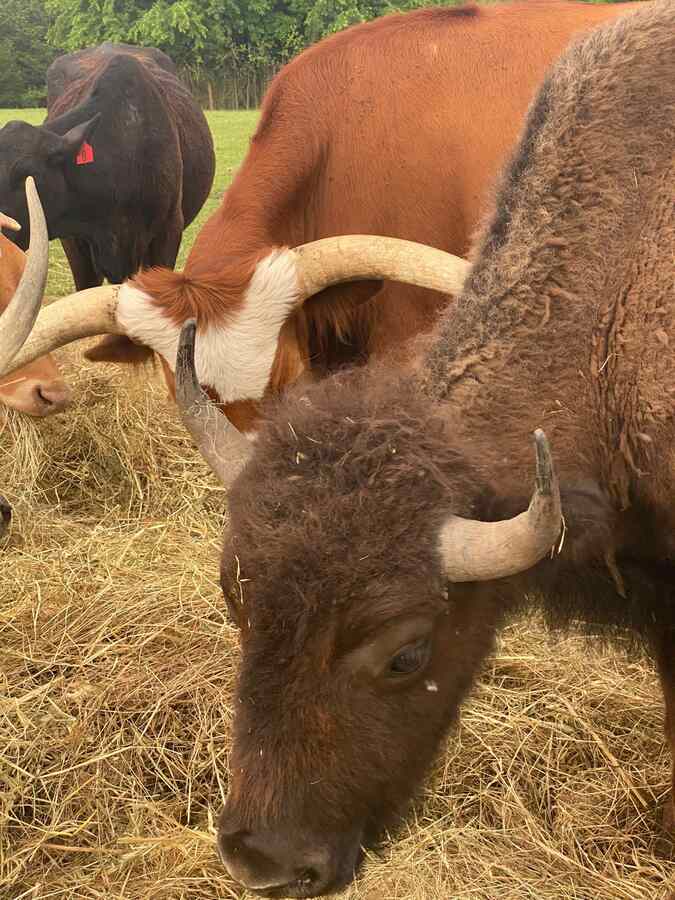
185 360
186 374
188 331
545 474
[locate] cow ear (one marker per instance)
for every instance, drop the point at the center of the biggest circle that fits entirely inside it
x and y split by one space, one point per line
72 140
118 348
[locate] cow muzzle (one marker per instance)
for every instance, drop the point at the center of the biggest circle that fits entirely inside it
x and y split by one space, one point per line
38 397
281 863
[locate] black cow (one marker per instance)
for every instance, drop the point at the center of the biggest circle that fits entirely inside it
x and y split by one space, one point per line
123 162
70 66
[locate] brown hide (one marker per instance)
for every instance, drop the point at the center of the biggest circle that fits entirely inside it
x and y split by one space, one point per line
38 388
356 649
395 127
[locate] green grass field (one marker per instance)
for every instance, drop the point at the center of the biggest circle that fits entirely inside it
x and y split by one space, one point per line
231 133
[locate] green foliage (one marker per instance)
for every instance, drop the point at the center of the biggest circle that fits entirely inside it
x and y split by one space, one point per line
24 52
210 40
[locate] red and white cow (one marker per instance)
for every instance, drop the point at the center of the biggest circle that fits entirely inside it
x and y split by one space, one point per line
395 127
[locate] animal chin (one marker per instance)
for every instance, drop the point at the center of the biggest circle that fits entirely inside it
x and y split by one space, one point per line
351 862
300 890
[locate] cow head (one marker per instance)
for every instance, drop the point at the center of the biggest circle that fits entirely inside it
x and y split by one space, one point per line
366 594
238 348
28 150
37 389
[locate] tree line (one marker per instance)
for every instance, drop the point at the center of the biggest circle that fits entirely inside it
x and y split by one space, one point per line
226 49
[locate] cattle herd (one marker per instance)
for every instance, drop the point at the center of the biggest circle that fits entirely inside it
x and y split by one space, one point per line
389 399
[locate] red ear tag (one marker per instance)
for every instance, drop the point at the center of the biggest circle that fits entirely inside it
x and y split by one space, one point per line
85 155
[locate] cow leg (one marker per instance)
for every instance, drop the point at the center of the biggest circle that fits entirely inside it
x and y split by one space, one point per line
78 254
665 660
112 347
163 250
117 348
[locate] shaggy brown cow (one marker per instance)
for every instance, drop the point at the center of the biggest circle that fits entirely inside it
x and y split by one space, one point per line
376 537
38 388
342 147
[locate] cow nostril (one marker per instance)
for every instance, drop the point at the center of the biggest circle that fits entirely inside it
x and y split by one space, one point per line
307 877
262 864
54 397
44 396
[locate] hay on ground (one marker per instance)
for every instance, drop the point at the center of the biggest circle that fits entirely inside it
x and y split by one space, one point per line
116 671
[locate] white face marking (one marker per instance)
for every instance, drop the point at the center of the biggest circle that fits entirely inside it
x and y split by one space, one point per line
235 358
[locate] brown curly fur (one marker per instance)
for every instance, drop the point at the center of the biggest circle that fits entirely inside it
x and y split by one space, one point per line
567 323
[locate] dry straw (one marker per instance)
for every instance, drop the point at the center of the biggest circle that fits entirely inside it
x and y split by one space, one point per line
116 672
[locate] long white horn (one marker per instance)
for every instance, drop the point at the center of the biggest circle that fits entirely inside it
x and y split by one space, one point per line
85 314
320 264
19 317
363 257
481 551
223 447
8 222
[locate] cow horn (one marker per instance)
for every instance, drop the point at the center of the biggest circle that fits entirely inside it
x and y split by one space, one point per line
18 318
81 315
319 264
223 447
482 551
8 222
362 257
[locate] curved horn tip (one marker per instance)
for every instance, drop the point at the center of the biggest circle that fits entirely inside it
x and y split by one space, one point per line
186 341
31 190
9 222
545 472
185 356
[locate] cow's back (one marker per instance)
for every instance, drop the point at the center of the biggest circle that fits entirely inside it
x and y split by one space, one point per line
168 107
396 127
413 103
432 115
71 66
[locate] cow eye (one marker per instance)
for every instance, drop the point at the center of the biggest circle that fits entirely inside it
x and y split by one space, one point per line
410 658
